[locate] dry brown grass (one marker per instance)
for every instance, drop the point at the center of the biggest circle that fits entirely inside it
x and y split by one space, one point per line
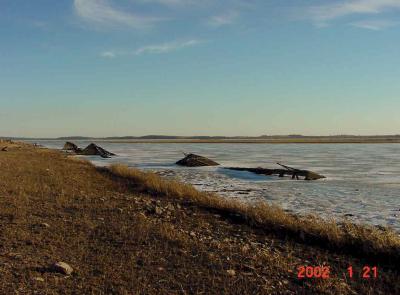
104 224
362 240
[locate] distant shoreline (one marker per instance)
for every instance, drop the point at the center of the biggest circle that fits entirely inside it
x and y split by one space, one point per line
256 141
290 139
243 141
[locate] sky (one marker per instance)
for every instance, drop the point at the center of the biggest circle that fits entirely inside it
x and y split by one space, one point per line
205 67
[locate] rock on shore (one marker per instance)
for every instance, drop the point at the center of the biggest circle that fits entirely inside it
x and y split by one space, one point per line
192 160
70 146
95 150
91 150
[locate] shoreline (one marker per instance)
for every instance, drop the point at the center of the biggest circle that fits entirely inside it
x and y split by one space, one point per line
325 195
124 230
190 141
346 216
273 139
338 219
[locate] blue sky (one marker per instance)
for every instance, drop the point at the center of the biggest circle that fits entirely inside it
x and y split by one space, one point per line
186 67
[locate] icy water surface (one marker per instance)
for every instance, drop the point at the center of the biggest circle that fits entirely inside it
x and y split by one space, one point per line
363 180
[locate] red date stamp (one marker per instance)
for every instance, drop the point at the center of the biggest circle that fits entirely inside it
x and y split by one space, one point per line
367 272
324 272
318 272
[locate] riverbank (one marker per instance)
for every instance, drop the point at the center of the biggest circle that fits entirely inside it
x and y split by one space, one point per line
124 231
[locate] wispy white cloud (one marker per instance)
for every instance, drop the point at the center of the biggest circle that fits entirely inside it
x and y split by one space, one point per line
170 2
322 14
375 25
108 54
227 18
153 49
144 13
102 12
166 47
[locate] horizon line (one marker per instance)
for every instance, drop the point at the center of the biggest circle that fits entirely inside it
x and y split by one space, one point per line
160 136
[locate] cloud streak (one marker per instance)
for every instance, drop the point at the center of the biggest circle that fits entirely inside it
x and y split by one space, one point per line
227 18
374 25
139 14
322 14
171 2
103 13
108 54
153 49
166 47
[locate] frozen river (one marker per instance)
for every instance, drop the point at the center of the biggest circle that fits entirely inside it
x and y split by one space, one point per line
363 180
